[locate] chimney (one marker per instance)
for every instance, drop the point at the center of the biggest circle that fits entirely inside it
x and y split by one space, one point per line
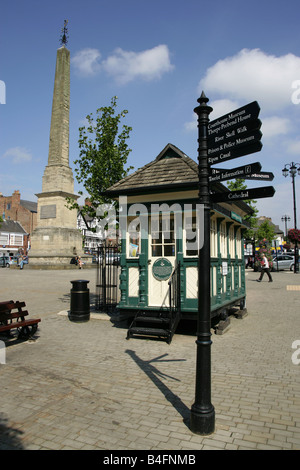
15 200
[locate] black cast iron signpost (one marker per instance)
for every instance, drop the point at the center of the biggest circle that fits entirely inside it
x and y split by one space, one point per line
231 136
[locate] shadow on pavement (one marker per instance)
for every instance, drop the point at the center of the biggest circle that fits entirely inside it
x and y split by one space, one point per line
9 437
153 373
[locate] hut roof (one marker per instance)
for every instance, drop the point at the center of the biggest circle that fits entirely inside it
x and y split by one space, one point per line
171 167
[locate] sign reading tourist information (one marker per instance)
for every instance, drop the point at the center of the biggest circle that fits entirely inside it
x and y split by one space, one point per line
244 194
219 174
249 172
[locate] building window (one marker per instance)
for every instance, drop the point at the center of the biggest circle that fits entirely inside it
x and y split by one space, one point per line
223 245
213 238
16 240
191 234
239 243
162 238
231 242
133 237
4 239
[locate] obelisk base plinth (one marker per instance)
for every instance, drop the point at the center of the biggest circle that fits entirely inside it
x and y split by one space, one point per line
56 246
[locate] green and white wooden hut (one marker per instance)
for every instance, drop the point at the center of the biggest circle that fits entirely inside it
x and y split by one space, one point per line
159 270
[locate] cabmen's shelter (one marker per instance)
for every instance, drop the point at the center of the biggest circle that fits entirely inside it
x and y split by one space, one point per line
160 222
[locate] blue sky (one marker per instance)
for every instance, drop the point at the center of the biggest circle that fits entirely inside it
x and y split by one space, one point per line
156 56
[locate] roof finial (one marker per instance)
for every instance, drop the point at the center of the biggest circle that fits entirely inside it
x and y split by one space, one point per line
64 34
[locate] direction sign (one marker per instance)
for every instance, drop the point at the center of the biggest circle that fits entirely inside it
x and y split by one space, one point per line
235 142
218 174
240 130
232 196
224 155
262 176
234 119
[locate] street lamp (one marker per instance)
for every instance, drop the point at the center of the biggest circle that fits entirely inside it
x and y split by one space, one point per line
285 219
292 169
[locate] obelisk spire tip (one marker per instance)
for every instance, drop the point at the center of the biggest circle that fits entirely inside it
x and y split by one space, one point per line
64 34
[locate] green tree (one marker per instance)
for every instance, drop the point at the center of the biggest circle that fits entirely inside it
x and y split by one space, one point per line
239 184
265 232
103 155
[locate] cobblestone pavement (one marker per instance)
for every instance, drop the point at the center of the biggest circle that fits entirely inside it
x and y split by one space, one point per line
84 386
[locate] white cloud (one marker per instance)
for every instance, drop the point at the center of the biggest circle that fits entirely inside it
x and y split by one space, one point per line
254 75
274 125
18 155
221 107
86 62
124 66
293 148
150 64
191 125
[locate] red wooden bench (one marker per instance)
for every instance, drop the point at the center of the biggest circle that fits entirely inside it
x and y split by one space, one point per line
12 316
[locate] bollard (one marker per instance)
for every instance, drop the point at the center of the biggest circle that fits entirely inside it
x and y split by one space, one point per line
80 301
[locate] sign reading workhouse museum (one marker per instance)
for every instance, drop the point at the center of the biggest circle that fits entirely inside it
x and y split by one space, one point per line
235 119
162 269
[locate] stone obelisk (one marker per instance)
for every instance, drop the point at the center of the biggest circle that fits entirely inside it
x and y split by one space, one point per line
56 238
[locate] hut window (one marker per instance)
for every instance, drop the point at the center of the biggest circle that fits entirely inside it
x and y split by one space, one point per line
133 237
162 236
231 242
213 238
239 243
223 244
190 234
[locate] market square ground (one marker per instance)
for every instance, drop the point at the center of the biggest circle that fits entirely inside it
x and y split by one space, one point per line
84 386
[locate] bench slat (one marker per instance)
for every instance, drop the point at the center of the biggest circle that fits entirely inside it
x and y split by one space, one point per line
19 324
11 316
7 316
10 305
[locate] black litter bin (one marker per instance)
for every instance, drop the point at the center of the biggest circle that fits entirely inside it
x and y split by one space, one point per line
80 301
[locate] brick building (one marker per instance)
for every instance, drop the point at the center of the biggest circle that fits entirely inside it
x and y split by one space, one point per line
19 210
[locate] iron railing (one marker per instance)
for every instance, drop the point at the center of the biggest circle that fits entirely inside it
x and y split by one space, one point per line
107 283
174 292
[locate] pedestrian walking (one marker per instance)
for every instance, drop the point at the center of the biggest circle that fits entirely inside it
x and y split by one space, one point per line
265 268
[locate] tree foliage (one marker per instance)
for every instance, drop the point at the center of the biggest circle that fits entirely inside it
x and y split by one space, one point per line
103 155
265 232
237 185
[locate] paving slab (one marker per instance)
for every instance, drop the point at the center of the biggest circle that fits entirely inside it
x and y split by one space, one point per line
83 386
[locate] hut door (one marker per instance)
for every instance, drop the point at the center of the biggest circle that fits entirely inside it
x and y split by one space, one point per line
161 261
